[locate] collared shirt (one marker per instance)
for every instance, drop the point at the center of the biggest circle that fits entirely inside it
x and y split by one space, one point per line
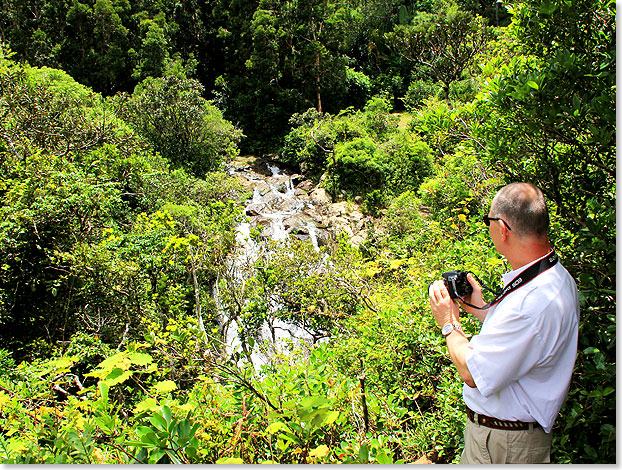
523 357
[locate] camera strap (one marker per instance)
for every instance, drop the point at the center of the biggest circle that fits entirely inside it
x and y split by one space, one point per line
521 279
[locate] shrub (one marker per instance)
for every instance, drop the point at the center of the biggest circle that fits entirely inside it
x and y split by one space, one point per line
185 128
418 92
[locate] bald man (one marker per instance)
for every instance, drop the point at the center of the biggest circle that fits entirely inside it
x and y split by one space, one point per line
517 370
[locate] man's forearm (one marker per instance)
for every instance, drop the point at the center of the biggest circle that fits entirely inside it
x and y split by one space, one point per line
479 314
458 345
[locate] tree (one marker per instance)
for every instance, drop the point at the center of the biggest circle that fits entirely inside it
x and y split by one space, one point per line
185 128
444 44
297 46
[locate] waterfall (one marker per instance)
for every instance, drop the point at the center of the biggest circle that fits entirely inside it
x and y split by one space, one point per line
277 204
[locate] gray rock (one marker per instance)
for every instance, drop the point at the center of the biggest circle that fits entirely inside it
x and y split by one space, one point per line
319 195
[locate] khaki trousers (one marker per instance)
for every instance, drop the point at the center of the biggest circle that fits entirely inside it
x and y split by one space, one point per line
484 445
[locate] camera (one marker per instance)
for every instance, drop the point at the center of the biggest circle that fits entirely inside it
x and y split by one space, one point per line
457 284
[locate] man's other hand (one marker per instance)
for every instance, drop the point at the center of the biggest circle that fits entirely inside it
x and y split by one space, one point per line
444 309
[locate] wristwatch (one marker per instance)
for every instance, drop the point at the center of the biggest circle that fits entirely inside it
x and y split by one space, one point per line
451 327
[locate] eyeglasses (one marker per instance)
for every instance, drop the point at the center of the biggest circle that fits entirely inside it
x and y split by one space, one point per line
488 219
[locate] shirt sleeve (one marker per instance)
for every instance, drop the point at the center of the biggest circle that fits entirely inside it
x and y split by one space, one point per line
505 350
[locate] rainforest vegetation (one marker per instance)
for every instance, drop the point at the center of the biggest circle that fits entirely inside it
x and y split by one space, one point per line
118 216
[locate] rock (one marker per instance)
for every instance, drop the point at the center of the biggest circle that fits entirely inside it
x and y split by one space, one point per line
280 210
263 187
261 221
323 237
305 185
255 209
356 240
297 221
320 196
423 461
296 178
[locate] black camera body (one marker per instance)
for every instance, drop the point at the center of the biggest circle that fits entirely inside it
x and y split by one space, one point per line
457 284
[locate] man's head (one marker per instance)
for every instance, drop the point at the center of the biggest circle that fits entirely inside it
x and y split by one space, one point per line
522 207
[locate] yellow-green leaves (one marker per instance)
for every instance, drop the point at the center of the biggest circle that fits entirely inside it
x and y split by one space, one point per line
165 386
319 452
276 427
230 461
118 368
4 399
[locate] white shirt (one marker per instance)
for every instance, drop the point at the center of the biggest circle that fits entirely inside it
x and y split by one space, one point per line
523 357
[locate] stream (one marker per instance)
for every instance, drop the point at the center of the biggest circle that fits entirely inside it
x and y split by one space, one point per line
279 210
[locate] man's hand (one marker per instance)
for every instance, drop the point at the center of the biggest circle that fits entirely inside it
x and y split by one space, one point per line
475 299
444 309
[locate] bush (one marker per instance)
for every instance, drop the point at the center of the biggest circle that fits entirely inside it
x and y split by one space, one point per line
185 128
358 168
418 92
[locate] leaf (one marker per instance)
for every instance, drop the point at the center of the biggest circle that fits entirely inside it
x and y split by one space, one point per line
117 376
62 363
364 453
4 399
320 451
148 404
276 427
103 388
187 407
230 461
140 359
117 360
167 413
383 458
165 386
608 428
533 85
462 217
332 417
158 421
396 263
313 402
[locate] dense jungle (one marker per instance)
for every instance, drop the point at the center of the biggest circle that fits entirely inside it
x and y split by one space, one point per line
219 220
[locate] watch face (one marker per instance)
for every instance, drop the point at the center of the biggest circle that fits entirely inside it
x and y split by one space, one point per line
447 329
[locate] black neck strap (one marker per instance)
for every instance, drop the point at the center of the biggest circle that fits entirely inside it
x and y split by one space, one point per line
521 279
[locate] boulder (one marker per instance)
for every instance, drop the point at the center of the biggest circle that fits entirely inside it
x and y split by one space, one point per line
305 185
255 209
320 196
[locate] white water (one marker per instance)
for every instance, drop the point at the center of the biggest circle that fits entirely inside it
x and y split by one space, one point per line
274 206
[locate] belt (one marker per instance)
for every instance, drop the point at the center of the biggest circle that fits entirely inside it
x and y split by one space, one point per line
495 423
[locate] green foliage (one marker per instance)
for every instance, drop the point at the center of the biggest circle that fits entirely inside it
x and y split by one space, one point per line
418 92
445 44
109 257
295 283
74 179
356 167
186 129
166 438
358 153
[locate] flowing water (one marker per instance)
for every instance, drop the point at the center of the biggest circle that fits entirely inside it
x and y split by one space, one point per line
279 212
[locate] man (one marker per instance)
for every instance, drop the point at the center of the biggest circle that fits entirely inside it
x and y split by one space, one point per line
517 370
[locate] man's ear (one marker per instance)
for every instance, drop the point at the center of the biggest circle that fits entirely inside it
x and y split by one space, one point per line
505 232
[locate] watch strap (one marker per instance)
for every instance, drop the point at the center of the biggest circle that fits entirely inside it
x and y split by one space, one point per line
449 327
